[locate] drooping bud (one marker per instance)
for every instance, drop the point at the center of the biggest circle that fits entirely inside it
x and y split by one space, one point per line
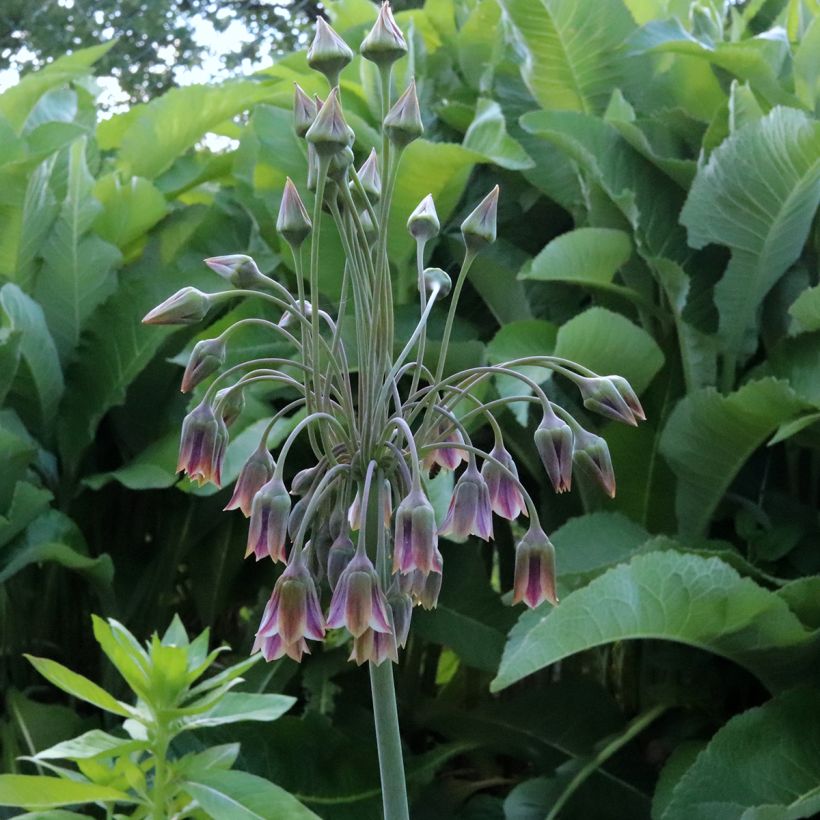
470 512
186 307
200 448
328 53
358 602
375 647
369 177
592 455
293 222
438 280
269 521
230 402
206 358
629 396
554 442
385 42
403 121
416 540
424 589
289 316
601 396
240 270
340 555
479 228
534 568
423 223
255 473
505 494
354 512
401 608
448 457
297 515
304 110
304 479
329 132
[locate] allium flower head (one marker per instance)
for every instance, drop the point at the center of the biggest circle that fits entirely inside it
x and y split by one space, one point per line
470 512
534 569
269 521
358 601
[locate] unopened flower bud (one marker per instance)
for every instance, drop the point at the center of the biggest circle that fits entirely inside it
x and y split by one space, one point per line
304 110
206 358
369 177
230 402
629 396
289 316
339 165
201 448
329 132
240 270
592 456
340 555
255 473
293 222
269 521
374 647
602 396
470 512
438 280
186 307
416 540
305 479
479 228
423 223
554 442
371 232
534 568
403 121
385 42
401 608
297 515
328 53
505 494
312 168
358 602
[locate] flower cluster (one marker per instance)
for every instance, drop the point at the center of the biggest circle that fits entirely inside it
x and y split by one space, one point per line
358 528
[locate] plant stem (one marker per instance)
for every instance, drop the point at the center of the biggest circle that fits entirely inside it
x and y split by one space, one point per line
158 791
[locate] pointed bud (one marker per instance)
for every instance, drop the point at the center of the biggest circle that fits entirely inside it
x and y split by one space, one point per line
423 223
340 555
554 442
329 132
289 316
328 53
438 280
375 647
602 396
312 168
479 228
592 456
269 521
403 121
201 448
340 164
505 494
304 110
416 540
534 569
293 222
255 473
186 307
305 479
385 42
369 177
206 358
240 270
229 403
629 396
358 602
401 608
470 512
446 457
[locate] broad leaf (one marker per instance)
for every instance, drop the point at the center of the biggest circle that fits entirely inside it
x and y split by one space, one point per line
99 570
35 792
95 743
488 135
130 208
805 311
235 707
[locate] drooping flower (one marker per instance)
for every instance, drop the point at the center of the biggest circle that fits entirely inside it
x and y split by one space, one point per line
534 568
470 512
554 442
201 447
358 602
273 648
206 358
269 521
401 608
592 455
505 494
340 555
602 396
375 647
255 473
415 545
423 588
447 456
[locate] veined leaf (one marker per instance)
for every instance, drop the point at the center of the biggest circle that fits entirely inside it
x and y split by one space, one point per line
805 311
488 135
235 707
667 596
756 195
130 208
35 792
95 743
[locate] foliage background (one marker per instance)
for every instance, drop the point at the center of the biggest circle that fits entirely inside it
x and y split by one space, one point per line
659 167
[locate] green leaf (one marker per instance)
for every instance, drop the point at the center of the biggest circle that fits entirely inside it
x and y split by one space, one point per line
35 792
574 50
665 596
709 437
608 343
216 757
236 795
803 598
54 814
99 570
807 66
95 743
125 652
78 686
805 311
676 765
37 215
236 707
777 738
756 195
130 208
488 135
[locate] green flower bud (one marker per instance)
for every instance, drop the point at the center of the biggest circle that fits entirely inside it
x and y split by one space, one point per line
293 221
329 132
423 223
328 53
403 121
479 228
339 163
437 278
240 270
304 110
186 307
369 177
385 42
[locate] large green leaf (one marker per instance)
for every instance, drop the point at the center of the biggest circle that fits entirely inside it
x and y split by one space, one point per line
33 792
780 738
805 311
234 795
488 135
130 208
709 437
76 275
574 50
668 596
99 570
95 743
756 195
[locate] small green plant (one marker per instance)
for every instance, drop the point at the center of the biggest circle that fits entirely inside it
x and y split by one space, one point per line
136 767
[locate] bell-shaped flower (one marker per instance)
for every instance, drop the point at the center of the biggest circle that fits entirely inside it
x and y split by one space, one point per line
340 555
206 358
201 446
423 588
229 403
375 647
416 540
403 121
358 602
447 456
554 441
329 132
534 568
273 648
186 307
255 473
602 396
384 43
423 224
470 512
506 498
293 222
328 53
240 270
304 110
269 521
592 456
354 512
479 228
